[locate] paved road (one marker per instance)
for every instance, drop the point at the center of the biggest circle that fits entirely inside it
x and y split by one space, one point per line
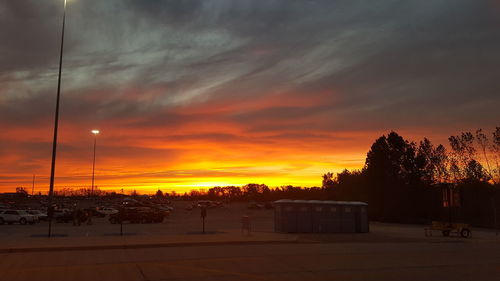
452 260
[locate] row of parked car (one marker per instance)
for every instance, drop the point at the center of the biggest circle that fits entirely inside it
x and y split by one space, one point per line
126 214
21 216
11 216
130 210
204 204
138 215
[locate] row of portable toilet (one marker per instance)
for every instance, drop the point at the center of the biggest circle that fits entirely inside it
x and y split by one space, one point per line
314 216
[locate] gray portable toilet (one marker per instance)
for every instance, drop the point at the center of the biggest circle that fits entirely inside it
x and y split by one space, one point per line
348 217
333 216
320 216
304 219
362 224
289 216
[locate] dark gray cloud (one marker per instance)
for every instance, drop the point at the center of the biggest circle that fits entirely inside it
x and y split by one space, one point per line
369 53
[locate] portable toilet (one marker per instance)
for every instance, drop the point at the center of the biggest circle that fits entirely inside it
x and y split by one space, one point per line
362 224
333 216
288 215
318 216
348 217
304 216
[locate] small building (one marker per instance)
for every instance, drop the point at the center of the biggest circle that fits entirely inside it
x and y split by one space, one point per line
315 216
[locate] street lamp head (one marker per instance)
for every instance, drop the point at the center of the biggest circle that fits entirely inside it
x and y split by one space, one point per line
95 132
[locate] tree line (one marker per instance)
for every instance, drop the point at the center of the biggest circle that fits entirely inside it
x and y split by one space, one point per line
406 181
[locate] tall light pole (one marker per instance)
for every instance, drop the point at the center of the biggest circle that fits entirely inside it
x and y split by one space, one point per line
33 186
95 132
56 126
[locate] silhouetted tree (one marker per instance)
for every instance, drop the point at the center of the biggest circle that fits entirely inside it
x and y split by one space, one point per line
159 194
328 182
440 163
474 172
21 191
483 142
463 151
495 148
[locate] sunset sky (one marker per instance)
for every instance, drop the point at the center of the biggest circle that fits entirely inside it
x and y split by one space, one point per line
192 94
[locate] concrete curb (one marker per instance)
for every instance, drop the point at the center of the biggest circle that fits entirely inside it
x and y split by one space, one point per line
144 246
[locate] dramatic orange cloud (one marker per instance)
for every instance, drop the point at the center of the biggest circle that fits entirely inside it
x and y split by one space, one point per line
200 153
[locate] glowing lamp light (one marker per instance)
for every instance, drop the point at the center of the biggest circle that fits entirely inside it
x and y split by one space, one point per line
95 132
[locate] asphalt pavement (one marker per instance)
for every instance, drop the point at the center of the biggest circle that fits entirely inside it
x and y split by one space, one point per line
457 261
177 250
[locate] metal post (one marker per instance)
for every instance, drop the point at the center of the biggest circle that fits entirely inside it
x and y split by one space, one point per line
203 215
450 205
33 186
493 204
120 217
93 166
56 126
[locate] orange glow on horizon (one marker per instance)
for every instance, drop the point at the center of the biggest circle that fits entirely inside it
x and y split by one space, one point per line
195 164
206 146
184 162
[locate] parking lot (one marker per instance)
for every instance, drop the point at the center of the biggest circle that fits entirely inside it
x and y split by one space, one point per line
158 251
180 221
225 219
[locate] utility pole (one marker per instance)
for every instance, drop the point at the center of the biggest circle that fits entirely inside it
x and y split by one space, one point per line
33 186
95 132
56 126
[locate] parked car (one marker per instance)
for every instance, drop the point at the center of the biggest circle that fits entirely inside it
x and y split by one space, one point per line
63 215
16 216
61 212
204 204
39 214
95 212
137 215
81 215
209 204
107 211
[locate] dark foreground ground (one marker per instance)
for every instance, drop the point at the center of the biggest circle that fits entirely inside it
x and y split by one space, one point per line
333 261
388 252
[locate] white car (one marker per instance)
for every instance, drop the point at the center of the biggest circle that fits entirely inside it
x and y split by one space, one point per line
107 211
61 212
40 215
12 216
